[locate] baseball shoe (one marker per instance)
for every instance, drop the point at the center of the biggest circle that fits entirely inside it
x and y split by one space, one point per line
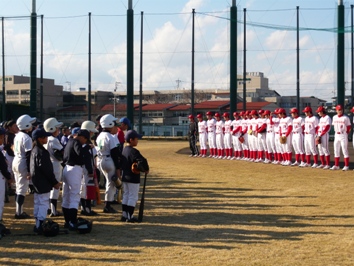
238 158
232 158
305 165
38 230
314 165
210 156
326 167
345 168
22 216
287 163
224 158
123 219
228 157
334 167
275 162
191 155
203 156
195 155
132 220
320 166
109 210
295 164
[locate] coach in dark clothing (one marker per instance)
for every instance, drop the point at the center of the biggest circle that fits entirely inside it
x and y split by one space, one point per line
192 135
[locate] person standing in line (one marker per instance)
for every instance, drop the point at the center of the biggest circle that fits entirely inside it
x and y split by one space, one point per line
227 136
21 162
211 122
236 134
252 135
286 127
42 175
219 131
342 126
244 134
270 151
203 135
109 158
311 127
56 151
192 136
323 133
261 136
298 137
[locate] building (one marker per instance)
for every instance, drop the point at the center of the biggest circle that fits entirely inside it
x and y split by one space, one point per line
17 91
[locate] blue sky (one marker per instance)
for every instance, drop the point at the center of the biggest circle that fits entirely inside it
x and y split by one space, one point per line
167 43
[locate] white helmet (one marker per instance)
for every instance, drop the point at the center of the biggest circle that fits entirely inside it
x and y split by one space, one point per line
90 126
108 121
51 124
25 122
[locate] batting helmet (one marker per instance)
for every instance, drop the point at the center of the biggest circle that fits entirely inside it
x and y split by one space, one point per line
294 110
50 228
209 113
108 121
191 116
83 226
25 122
320 109
266 112
253 112
199 116
89 126
339 107
247 112
261 112
236 114
281 111
226 114
217 115
307 109
51 124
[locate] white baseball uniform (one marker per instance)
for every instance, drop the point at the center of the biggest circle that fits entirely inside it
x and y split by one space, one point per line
236 133
105 143
219 131
311 125
211 136
298 139
228 138
261 136
252 138
342 127
286 126
278 148
245 145
203 135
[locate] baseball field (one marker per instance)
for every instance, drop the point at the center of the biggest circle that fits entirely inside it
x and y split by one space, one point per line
201 211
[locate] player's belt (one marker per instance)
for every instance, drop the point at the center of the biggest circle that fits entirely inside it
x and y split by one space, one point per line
270 131
297 133
340 133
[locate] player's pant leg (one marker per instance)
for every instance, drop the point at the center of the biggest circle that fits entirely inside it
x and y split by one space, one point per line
312 144
344 146
3 183
65 191
83 187
109 170
20 173
336 147
73 179
43 200
325 144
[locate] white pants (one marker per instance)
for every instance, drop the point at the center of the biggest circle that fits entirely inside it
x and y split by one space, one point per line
245 143
278 145
341 141
3 183
219 141
236 142
203 141
323 147
298 140
19 167
270 142
227 141
72 176
130 194
58 171
310 146
261 139
84 181
108 169
40 207
211 140
286 148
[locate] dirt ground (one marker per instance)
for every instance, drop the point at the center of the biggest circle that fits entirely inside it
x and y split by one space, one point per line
202 211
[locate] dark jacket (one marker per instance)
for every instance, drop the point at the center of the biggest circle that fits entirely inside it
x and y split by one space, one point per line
41 169
193 129
73 153
129 156
3 167
9 141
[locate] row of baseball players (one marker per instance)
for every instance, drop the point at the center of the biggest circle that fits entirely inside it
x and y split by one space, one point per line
269 137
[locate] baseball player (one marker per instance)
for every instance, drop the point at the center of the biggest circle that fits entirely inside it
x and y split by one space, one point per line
298 137
211 122
261 135
5 175
286 127
21 162
244 134
87 180
227 136
278 148
252 136
56 151
109 158
270 151
219 136
311 127
192 136
342 126
324 126
236 134
203 135
42 175
75 159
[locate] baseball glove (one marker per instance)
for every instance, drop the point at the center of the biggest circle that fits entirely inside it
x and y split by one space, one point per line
282 139
241 139
250 132
318 140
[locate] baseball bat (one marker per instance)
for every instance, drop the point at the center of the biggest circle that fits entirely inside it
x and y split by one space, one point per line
142 202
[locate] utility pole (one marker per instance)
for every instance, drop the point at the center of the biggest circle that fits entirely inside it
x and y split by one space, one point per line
233 57
3 73
130 62
33 68
340 55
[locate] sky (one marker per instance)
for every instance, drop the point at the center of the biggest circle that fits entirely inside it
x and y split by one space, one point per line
167 43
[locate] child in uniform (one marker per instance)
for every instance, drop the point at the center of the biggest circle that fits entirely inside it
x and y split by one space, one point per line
42 175
131 181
